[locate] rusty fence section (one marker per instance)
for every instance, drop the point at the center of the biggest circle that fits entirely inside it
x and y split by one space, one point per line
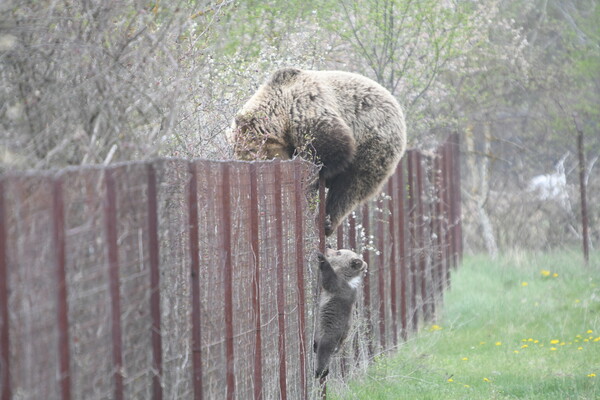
411 237
196 279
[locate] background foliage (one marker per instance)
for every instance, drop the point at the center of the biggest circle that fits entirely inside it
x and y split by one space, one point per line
88 82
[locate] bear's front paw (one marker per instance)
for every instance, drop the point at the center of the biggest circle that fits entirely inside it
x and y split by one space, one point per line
328 225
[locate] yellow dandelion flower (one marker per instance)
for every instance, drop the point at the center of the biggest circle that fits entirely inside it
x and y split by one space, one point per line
554 341
481 343
523 340
516 351
545 273
498 343
465 358
486 380
577 301
450 380
597 339
524 283
590 331
436 328
555 275
580 348
586 340
578 336
524 346
592 375
552 348
467 386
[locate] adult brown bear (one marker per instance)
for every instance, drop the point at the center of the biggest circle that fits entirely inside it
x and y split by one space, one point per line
349 124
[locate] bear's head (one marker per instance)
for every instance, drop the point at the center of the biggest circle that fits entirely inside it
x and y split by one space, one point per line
261 128
347 265
253 138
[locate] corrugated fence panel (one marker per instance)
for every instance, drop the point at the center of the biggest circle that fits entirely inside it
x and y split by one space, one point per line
172 177
31 278
134 279
196 279
88 284
244 323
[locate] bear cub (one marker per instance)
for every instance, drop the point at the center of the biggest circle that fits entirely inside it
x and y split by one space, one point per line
341 275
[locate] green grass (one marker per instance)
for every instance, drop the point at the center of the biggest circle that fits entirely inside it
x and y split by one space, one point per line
507 332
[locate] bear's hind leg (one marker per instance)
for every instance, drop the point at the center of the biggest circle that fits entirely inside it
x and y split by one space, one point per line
325 349
348 190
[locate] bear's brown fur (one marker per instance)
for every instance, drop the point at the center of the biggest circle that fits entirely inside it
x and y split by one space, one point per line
348 123
341 275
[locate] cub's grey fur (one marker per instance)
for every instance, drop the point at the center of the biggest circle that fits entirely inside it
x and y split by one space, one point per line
341 275
350 124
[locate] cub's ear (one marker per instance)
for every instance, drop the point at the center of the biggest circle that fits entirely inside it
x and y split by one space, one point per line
356 263
284 76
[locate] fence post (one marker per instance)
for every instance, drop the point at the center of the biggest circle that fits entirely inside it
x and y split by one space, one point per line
432 235
299 233
195 277
340 236
412 233
399 176
457 197
447 218
322 245
450 204
380 280
110 219
62 305
280 281
228 277
421 238
583 193
254 243
437 226
321 222
5 389
367 283
391 189
153 244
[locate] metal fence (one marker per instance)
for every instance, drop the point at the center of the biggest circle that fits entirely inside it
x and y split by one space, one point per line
196 279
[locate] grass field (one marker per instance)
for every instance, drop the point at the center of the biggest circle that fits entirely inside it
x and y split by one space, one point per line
524 326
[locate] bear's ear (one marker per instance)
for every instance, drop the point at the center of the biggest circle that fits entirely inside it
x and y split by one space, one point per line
284 76
356 263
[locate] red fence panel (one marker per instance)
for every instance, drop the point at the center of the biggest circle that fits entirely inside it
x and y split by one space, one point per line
196 279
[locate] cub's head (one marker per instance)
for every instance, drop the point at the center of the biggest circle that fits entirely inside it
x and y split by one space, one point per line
347 264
